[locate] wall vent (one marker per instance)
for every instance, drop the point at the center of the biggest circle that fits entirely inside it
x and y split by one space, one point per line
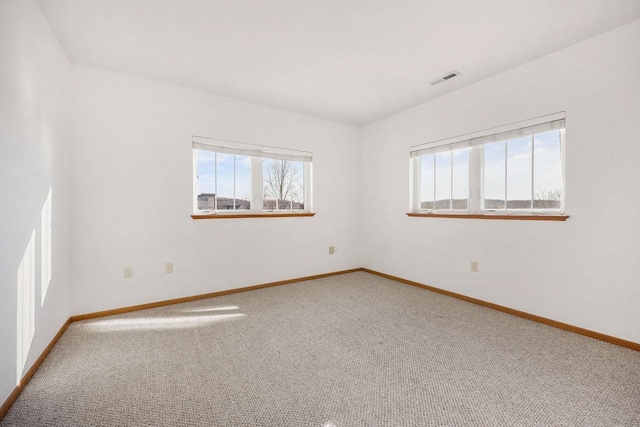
446 77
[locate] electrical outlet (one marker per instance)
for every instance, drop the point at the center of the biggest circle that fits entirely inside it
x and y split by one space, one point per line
474 266
331 250
128 272
168 267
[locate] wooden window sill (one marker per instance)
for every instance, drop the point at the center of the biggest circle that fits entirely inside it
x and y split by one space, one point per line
491 216
252 215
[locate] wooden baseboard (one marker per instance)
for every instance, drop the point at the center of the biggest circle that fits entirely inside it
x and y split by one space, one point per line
203 296
23 382
565 326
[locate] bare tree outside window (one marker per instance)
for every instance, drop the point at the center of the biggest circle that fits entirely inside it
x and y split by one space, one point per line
547 199
283 185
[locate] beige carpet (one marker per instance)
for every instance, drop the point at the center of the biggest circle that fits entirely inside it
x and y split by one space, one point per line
350 350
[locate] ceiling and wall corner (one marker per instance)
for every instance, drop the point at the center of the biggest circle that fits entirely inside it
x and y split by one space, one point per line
353 61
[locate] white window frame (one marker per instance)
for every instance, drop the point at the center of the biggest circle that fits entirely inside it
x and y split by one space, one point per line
257 153
475 143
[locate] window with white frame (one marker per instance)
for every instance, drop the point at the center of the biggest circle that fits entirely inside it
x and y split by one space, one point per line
517 169
233 177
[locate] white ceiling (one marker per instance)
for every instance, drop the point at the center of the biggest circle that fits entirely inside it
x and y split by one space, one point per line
352 61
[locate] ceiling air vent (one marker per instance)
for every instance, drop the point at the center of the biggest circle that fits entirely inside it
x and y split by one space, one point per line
446 77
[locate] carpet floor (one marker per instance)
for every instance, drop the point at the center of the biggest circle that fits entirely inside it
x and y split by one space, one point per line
348 350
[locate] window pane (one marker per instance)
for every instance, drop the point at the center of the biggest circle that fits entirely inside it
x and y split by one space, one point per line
494 175
297 196
268 185
519 173
426 182
205 179
225 181
243 182
460 190
283 184
443 180
547 170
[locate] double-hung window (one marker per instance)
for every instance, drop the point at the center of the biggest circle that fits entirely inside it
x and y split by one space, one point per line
516 169
237 178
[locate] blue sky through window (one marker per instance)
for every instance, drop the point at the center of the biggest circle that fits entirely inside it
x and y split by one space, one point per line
206 180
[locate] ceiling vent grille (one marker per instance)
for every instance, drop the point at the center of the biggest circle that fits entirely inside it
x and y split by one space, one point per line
446 77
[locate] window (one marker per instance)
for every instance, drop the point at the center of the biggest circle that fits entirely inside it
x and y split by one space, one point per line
517 170
444 180
237 178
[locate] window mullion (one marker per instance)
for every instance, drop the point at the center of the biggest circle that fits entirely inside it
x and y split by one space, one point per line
475 179
435 196
307 186
561 135
451 180
215 194
532 166
195 180
416 174
234 182
506 171
257 191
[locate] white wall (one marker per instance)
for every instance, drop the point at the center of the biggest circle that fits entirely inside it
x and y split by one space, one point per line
583 271
34 161
132 190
